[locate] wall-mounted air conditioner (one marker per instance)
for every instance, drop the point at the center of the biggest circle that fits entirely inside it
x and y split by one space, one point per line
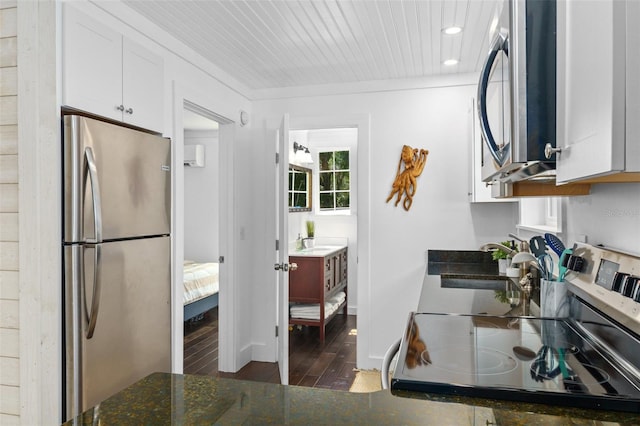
194 155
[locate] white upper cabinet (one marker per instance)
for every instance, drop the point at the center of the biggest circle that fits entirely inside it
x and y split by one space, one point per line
598 90
107 74
142 95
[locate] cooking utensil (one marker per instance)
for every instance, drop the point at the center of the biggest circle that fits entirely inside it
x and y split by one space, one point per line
555 243
538 246
546 267
564 259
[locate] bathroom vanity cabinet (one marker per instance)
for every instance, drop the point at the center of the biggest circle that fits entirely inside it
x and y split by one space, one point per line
320 277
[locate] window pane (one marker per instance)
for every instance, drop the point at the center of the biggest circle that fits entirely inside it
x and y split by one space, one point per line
326 160
342 181
342 200
290 199
291 175
342 160
300 200
326 201
326 181
300 183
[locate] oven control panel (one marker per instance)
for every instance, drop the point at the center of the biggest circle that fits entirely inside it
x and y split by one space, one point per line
610 280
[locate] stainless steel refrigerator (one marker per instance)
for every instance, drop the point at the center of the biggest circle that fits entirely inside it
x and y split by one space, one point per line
116 253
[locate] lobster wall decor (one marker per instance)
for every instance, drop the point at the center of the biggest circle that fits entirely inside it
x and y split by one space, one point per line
405 182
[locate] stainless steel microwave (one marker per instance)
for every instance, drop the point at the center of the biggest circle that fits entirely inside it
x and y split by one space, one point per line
517 93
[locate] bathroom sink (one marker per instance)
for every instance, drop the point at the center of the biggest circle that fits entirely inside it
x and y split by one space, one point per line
316 251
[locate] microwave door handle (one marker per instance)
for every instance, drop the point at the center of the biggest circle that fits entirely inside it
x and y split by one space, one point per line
499 155
92 314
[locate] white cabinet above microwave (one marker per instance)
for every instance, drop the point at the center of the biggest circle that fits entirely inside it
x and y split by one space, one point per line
598 91
109 75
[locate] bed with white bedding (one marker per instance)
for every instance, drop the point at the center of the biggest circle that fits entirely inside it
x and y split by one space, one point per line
201 287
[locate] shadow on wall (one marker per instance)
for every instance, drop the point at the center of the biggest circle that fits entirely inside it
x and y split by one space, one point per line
492 222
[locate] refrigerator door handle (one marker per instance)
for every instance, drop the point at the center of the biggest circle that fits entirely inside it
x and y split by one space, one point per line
92 314
95 195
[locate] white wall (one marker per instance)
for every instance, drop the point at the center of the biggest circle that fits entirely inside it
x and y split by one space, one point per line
441 217
201 200
609 216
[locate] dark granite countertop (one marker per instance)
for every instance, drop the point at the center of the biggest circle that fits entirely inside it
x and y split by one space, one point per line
470 269
163 399
463 263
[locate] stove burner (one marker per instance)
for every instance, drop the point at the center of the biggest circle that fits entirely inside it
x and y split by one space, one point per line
456 359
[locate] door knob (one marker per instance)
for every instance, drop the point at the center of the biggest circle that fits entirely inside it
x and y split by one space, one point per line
285 266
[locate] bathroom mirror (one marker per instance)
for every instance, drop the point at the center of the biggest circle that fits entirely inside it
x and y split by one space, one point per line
299 189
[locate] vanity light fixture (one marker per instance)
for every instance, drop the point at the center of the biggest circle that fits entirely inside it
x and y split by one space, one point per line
452 30
304 156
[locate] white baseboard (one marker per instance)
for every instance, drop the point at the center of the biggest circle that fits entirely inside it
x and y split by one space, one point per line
262 352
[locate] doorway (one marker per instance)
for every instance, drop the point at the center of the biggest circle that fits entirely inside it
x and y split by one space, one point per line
201 242
218 165
334 196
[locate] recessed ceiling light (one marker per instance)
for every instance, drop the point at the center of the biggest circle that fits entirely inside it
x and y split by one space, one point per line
450 62
452 30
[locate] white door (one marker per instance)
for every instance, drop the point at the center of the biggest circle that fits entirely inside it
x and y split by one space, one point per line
142 80
282 257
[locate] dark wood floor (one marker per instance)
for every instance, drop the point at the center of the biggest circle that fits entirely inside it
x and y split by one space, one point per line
330 365
201 345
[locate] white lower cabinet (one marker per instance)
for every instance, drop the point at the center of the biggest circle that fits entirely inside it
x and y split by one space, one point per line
107 74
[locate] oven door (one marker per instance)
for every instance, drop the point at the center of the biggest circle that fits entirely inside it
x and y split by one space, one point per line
494 108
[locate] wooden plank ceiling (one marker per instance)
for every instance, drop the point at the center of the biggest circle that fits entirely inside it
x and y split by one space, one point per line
277 44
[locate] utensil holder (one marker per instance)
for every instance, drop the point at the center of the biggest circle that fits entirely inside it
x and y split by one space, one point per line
554 299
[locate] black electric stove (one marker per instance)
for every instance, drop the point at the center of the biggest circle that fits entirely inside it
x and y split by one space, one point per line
589 359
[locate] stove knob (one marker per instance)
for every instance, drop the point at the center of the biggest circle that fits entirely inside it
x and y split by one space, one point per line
633 285
576 263
618 279
628 286
636 295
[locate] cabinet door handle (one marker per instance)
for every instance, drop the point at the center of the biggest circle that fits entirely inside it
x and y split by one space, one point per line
293 266
549 150
120 108
129 111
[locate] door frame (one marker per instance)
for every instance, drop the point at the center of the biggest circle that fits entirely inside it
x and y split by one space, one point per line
197 101
282 252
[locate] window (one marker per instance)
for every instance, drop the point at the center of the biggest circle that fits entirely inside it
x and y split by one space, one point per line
335 180
541 214
299 189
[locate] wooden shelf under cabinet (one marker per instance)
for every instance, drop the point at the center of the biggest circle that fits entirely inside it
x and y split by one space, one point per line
316 280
